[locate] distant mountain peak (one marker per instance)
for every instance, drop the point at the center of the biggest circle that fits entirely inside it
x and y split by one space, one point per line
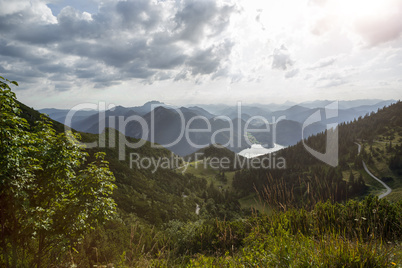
153 102
296 107
161 108
196 107
289 103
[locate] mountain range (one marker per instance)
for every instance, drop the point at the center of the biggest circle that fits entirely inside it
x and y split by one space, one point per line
193 209
173 127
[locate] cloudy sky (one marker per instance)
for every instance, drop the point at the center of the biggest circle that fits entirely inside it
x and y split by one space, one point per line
64 53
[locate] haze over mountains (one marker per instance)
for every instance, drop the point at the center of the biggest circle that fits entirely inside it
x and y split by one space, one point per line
223 124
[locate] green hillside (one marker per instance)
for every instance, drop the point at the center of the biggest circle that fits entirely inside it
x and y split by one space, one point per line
154 194
309 214
306 180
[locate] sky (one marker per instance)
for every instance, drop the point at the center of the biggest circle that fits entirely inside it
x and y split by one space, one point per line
64 53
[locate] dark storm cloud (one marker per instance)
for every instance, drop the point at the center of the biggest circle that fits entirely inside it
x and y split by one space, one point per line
137 70
22 52
12 50
165 57
209 60
54 68
57 77
138 13
85 73
196 17
90 6
112 53
73 24
30 73
138 39
43 34
62 86
9 22
181 76
106 84
18 71
204 62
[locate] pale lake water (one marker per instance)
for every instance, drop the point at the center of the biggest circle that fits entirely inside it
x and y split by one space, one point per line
257 150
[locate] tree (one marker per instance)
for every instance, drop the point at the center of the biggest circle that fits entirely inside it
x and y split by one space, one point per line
389 147
49 195
351 177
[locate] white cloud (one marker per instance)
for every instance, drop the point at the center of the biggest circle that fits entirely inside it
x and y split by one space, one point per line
332 79
292 73
137 38
281 58
322 63
381 30
217 48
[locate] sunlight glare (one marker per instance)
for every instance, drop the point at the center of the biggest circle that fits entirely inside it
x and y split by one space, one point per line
353 9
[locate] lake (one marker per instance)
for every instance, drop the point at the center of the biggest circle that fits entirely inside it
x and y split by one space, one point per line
257 150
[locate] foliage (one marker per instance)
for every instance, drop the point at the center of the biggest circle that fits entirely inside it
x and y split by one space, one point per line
354 234
208 236
53 193
395 163
48 197
306 180
217 151
331 235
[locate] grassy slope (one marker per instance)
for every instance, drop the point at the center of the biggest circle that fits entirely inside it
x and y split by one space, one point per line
380 168
202 169
291 238
155 197
296 238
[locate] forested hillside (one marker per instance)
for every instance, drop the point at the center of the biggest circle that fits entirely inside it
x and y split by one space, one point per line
64 205
306 180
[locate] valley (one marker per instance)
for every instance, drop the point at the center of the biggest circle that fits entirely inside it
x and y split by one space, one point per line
200 133
214 206
257 150
184 130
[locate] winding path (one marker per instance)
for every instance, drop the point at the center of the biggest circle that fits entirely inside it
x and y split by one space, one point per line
389 190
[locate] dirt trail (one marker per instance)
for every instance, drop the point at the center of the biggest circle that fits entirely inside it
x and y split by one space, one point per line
389 190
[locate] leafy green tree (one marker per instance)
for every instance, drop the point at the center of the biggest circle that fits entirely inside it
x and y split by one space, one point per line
49 195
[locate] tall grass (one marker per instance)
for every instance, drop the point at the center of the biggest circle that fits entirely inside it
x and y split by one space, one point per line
305 193
355 234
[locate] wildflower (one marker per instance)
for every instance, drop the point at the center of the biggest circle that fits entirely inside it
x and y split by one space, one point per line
356 219
363 218
393 263
374 211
